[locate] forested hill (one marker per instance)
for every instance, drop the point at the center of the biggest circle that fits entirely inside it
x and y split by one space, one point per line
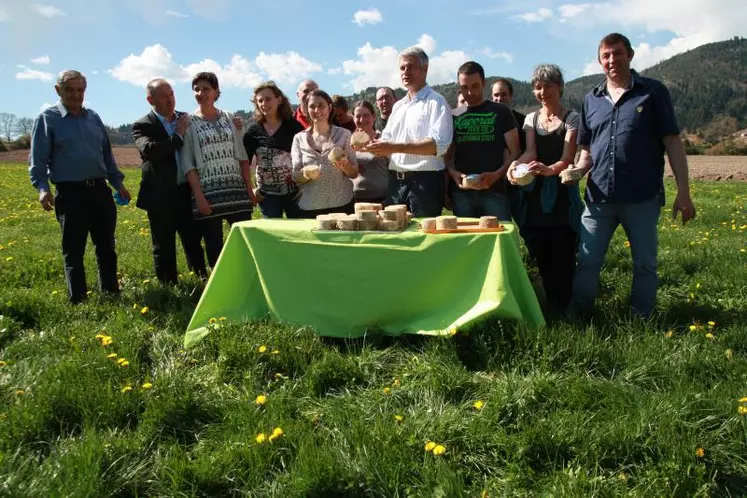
708 86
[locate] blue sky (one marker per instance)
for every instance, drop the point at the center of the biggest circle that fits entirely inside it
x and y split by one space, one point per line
344 45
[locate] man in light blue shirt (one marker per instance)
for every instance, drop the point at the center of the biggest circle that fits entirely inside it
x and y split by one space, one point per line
70 148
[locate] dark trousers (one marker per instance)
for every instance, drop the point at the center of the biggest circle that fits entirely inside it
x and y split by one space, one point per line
212 231
165 222
273 206
347 208
554 251
422 192
83 208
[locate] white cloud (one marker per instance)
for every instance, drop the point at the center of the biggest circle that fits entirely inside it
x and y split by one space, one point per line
488 52
371 16
156 61
378 66
44 59
238 73
692 25
572 10
174 13
538 16
49 11
4 16
286 68
334 70
32 74
94 72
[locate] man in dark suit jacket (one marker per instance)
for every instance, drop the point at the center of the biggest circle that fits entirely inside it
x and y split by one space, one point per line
158 137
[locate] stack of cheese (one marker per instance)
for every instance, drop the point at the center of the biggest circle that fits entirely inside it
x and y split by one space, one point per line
368 217
442 223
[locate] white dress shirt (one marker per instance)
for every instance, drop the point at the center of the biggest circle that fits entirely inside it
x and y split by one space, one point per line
427 115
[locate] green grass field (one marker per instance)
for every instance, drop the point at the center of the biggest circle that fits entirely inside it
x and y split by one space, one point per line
612 407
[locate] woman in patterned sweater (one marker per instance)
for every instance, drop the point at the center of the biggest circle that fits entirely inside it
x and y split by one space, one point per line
215 165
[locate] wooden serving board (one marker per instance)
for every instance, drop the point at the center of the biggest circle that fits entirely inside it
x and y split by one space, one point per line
467 227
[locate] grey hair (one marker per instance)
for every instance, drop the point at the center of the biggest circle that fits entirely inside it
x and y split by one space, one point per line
68 75
548 73
154 84
415 52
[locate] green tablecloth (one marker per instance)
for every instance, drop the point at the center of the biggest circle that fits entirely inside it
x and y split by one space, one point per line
346 283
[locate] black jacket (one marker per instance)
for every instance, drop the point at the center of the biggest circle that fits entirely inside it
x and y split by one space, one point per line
158 187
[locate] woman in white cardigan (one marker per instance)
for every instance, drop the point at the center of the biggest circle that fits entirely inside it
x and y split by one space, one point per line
215 165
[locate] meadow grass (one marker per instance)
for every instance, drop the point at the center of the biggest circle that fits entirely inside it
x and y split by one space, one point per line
614 406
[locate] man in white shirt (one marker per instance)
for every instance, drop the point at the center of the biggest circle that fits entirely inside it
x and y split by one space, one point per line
417 136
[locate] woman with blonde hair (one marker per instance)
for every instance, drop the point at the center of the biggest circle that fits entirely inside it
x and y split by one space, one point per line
270 140
549 212
324 163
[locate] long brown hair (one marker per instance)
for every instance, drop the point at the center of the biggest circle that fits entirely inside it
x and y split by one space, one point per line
323 95
284 108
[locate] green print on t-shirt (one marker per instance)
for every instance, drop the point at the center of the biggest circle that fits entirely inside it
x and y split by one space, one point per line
475 127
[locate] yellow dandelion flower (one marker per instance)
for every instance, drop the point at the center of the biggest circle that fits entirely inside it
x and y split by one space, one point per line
261 400
742 410
262 348
396 383
100 336
399 418
700 453
387 390
697 286
668 334
484 494
743 400
111 356
121 360
261 438
194 361
277 432
9 258
147 385
222 319
126 389
54 292
106 341
280 376
709 336
88 293
146 281
21 392
275 351
439 450
477 405
144 310
429 446
212 321
453 330
125 364
711 323
693 328
729 354
2 363
627 244
622 476
135 306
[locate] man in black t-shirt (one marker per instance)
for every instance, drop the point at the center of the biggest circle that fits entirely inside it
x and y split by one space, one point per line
485 142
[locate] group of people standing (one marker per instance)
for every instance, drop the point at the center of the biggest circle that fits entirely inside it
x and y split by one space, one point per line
197 168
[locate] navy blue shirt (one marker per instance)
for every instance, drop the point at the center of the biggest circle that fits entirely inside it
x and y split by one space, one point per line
68 148
627 149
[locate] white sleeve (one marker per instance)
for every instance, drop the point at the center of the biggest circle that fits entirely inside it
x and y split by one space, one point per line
528 122
441 126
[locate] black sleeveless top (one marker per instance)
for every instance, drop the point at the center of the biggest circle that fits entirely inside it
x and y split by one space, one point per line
549 151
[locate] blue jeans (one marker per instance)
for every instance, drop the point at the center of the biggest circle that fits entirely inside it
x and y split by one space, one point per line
476 203
598 224
273 206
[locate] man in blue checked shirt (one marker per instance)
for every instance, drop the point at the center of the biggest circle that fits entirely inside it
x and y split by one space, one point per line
627 124
70 148
159 136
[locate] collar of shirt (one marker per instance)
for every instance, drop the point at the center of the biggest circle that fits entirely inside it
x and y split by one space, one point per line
601 89
63 110
169 126
421 95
